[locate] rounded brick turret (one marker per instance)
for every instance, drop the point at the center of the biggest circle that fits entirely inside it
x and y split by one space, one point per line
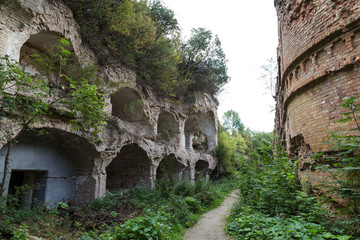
318 57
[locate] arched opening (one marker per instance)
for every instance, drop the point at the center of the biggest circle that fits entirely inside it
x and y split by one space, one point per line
169 167
38 43
127 105
60 162
51 56
201 168
200 132
186 174
130 168
168 127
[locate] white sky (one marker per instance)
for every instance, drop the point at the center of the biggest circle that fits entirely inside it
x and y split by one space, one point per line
248 32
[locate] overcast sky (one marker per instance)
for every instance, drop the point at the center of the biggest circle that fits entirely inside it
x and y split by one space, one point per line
248 33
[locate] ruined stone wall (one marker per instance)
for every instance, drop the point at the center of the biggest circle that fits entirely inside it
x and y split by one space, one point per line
137 140
318 57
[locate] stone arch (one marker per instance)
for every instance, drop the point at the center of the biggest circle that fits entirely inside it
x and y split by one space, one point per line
129 168
128 105
186 174
54 17
45 43
200 132
170 167
202 168
167 127
38 43
62 162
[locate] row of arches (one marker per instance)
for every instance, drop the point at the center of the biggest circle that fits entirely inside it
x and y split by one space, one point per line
199 130
65 166
128 105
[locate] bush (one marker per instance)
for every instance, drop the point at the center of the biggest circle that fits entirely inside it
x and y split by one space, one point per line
259 226
271 205
146 38
151 225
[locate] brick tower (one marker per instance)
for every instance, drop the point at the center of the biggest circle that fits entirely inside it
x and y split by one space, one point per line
319 66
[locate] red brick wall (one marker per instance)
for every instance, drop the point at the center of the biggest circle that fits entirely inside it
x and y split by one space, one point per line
304 23
312 112
319 54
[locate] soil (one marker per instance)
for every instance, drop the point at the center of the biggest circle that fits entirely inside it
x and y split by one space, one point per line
211 225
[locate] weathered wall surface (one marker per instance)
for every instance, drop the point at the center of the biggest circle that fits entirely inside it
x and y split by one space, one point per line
156 127
318 56
49 156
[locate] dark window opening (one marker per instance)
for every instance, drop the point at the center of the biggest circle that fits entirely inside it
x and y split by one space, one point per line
33 183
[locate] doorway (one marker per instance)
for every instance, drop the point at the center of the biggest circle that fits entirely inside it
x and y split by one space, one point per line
34 183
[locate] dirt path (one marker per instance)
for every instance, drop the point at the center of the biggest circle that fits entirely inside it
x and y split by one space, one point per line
211 225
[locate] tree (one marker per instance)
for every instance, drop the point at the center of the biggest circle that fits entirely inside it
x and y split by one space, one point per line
144 35
164 18
232 122
238 145
204 62
26 98
269 76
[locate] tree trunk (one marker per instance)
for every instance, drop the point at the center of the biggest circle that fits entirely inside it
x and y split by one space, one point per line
6 165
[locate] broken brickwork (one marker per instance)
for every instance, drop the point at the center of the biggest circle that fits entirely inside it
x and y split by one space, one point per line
319 66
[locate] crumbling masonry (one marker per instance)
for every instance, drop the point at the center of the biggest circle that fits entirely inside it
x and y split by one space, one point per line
319 66
136 144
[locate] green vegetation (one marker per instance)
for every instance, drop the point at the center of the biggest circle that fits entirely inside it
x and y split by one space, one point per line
237 144
343 165
138 213
27 98
273 204
145 37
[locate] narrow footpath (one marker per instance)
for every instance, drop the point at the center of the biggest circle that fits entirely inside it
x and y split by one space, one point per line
211 225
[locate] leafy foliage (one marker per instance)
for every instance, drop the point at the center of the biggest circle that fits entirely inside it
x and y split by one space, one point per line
164 19
232 122
22 95
269 75
138 213
343 165
25 98
146 38
271 205
237 145
260 226
204 62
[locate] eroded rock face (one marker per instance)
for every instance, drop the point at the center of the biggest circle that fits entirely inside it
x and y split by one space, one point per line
143 128
318 56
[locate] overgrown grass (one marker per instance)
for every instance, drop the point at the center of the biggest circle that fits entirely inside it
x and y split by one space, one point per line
272 206
139 213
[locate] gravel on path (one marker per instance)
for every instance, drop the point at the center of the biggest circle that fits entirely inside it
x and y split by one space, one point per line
211 225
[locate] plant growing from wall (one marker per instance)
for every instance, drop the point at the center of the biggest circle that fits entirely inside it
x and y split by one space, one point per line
167 128
25 99
272 206
343 165
144 35
134 109
203 62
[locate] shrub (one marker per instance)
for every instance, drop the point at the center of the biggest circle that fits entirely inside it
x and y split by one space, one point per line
151 225
259 226
271 205
193 203
21 233
146 38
